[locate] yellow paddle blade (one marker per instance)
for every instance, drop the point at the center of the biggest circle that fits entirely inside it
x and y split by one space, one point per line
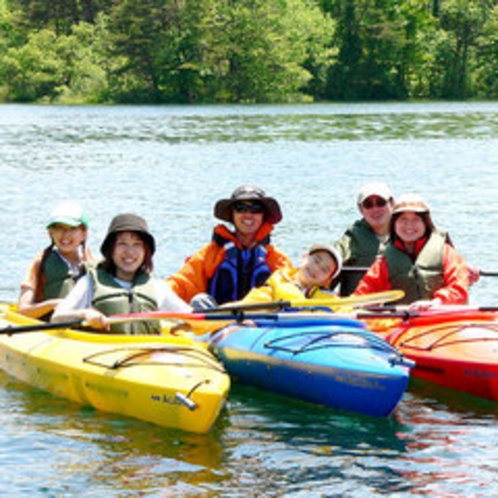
351 301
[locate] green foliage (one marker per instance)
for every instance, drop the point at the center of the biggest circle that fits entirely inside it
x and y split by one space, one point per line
177 51
462 23
485 73
263 48
57 68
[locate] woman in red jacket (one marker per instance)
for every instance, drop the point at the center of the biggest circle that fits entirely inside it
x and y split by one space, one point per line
420 260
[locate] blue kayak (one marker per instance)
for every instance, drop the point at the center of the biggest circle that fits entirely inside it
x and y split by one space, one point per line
331 362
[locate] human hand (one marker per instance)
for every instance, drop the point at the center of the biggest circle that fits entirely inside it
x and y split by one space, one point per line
96 320
474 274
203 301
425 305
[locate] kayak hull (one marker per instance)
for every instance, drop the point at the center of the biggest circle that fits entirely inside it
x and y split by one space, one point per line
334 364
458 351
169 381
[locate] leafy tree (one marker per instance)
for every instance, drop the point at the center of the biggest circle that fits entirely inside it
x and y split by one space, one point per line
243 51
378 47
57 68
462 22
33 70
156 41
261 48
60 15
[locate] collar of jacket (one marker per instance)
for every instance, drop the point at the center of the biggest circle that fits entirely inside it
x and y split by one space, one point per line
222 234
419 244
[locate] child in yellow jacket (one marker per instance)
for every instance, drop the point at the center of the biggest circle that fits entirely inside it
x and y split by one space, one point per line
319 266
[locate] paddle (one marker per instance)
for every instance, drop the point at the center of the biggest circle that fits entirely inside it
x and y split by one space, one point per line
355 269
361 269
16 329
353 301
244 315
405 313
487 273
228 313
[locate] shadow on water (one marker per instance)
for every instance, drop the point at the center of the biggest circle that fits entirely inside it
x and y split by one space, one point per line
73 448
296 447
452 401
281 444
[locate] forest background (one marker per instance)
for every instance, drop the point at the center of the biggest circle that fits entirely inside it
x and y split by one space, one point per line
247 51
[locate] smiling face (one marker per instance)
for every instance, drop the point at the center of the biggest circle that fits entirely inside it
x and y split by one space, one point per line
317 269
128 255
248 216
409 227
377 213
67 238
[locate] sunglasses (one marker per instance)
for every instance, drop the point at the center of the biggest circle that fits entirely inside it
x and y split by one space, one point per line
252 207
371 203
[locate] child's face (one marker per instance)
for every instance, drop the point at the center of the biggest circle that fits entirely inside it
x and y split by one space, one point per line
128 254
66 238
317 269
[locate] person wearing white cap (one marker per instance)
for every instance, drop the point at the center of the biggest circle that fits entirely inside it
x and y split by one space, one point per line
420 260
121 283
54 271
367 237
319 266
238 259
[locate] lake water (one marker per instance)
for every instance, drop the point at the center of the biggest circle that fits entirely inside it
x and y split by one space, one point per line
171 164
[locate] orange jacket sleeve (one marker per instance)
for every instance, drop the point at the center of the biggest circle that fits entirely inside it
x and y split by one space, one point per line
276 258
456 278
375 280
193 276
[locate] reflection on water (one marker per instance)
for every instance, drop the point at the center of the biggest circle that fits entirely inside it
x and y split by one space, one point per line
170 164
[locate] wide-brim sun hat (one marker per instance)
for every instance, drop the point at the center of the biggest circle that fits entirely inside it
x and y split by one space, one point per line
128 222
223 208
379 189
68 213
332 251
411 202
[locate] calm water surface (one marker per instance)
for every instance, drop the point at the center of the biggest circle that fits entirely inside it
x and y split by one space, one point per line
170 164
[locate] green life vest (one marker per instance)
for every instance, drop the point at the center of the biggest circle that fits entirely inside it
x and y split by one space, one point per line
112 299
359 247
422 277
59 279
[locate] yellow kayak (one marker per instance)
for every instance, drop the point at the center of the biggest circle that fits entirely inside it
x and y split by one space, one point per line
168 380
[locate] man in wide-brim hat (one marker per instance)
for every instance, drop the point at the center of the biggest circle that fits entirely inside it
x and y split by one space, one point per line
237 259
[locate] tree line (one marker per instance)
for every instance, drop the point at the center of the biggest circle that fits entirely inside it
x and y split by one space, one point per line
247 51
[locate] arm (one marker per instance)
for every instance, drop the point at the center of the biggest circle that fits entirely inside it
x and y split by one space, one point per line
456 278
193 276
77 305
27 306
343 245
276 259
375 280
167 300
27 303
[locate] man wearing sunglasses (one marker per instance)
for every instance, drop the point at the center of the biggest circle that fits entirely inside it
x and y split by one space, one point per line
237 259
367 237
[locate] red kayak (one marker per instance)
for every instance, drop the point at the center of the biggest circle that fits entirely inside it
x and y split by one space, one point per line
456 349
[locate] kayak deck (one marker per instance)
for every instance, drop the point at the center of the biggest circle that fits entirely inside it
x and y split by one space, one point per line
335 364
167 380
459 352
